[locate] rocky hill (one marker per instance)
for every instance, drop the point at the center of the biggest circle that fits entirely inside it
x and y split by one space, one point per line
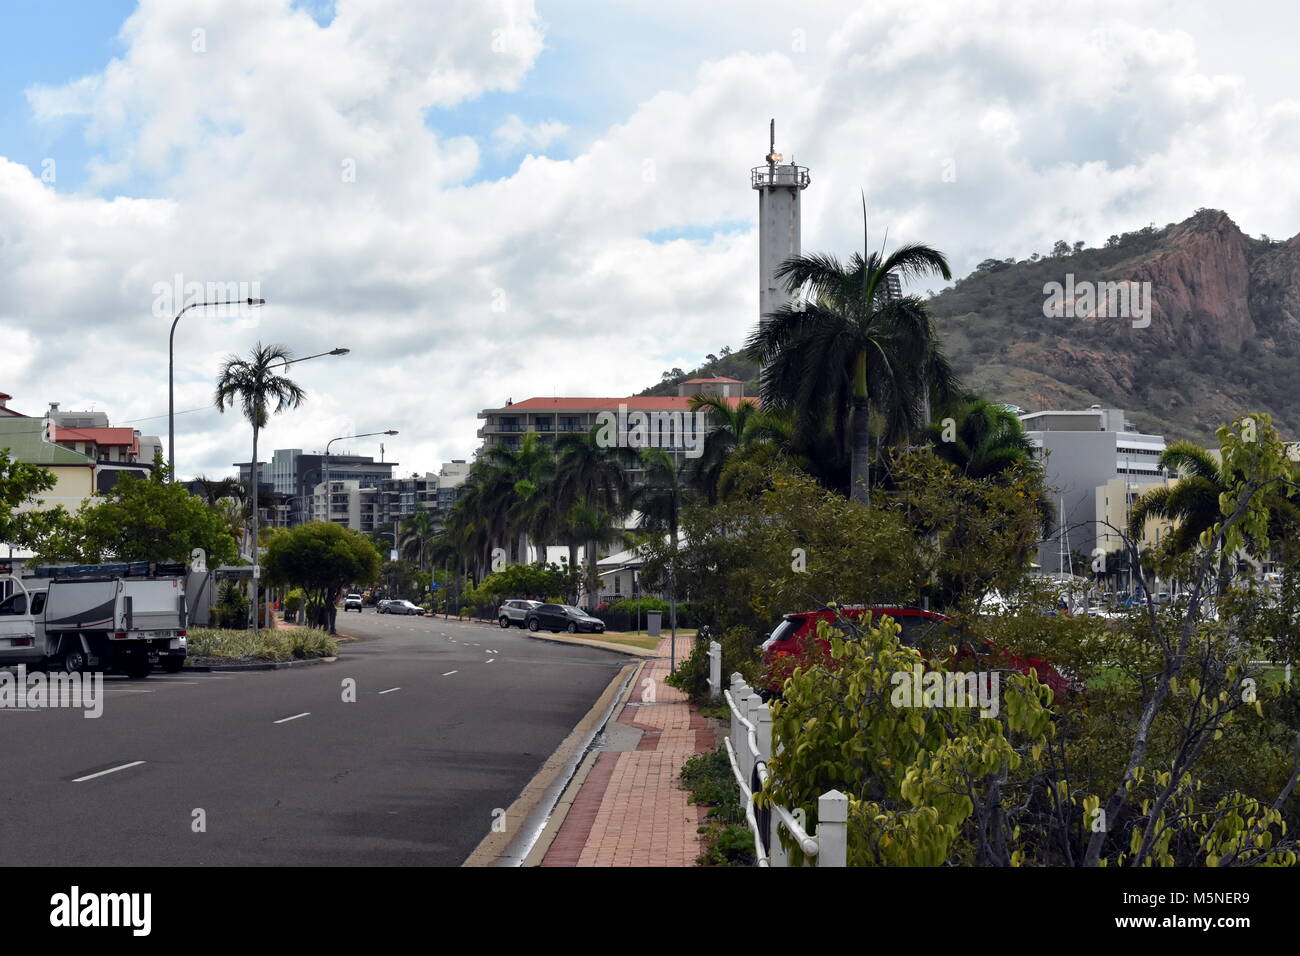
1221 334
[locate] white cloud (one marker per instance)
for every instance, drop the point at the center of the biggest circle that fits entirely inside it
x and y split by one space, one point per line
514 134
311 160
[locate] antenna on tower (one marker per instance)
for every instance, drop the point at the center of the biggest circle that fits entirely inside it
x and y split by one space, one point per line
773 157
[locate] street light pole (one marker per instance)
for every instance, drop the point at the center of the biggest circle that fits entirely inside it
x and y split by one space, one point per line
256 483
325 463
171 372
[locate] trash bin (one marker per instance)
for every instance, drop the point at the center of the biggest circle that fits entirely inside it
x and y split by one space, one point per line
654 622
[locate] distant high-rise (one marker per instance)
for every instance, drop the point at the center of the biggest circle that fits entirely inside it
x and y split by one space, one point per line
779 185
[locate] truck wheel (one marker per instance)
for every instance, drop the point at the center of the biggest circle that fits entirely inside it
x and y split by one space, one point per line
172 665
139 667
74 661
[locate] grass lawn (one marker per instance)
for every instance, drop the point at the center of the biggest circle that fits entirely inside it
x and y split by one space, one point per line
643 640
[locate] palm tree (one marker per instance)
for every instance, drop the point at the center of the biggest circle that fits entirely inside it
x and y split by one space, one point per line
985 440
519 480
599 528
416 534
660 501
846 346
591 482
736 429
213 490
261 391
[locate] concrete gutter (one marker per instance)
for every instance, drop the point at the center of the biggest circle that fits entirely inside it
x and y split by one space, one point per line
259 666
527 818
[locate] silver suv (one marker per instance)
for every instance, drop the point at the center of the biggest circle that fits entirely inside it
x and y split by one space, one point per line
352 602
515 612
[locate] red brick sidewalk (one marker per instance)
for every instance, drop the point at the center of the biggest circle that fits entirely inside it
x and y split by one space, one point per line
630 810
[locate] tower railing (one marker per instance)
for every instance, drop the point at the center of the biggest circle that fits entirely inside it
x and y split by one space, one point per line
784 175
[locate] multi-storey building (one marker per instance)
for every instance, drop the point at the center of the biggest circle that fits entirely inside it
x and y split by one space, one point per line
1082 453
665 421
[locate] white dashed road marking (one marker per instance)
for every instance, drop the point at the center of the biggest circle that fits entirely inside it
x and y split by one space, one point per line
285 720
389 691
92 776
449 673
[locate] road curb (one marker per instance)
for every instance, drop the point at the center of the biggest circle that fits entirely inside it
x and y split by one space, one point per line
562 807
539 799
262 666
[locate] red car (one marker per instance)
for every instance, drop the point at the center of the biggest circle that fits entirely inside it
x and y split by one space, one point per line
781 651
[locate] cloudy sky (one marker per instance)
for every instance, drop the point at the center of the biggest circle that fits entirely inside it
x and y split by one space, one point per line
486 199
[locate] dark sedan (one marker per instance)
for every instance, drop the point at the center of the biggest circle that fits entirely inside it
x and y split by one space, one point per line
563 617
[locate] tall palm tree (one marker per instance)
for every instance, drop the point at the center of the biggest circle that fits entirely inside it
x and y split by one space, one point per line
519 480
599 528
260 392
660 502
416 534
592 478
845 346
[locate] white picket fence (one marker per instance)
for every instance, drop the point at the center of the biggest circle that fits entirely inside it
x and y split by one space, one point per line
749 747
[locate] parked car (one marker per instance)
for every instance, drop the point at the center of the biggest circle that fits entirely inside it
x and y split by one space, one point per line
562 617
515 611
399 607
919 629
352 602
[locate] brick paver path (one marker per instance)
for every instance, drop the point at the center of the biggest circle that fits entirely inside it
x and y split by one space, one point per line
630 810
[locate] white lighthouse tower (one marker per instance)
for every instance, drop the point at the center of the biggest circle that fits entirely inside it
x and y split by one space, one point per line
779 185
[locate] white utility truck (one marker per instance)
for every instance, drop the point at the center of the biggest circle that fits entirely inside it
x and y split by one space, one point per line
111 617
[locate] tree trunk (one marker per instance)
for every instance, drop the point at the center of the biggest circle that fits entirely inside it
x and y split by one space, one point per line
859 469
592 576
254 538
572 594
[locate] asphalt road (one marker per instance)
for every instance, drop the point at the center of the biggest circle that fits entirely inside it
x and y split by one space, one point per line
450 722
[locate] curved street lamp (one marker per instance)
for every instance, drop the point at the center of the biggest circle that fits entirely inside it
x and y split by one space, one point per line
171 365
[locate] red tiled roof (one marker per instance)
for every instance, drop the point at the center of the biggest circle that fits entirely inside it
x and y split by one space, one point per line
100 436
641 402
706 381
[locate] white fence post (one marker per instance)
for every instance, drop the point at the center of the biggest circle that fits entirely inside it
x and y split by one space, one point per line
743 755
715 670
832 829
762 721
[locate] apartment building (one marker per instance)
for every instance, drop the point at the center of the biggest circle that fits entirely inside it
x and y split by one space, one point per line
380 507
658 421
114 450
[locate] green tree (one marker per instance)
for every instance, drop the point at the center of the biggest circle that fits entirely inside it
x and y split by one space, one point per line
416 536
845 345
21 483
141 519
592 478
321 558
982 439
